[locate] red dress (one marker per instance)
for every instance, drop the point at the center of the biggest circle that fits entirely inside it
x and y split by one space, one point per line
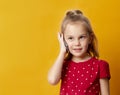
83 78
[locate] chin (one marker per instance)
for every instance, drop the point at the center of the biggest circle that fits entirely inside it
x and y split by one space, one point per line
77 55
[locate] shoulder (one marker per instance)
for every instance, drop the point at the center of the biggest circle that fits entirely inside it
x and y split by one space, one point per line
66 63
104 69
101 61
102 64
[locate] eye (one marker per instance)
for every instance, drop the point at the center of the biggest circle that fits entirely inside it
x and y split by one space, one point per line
82 37
70 38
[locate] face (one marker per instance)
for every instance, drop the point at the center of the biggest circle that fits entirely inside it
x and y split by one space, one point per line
77 39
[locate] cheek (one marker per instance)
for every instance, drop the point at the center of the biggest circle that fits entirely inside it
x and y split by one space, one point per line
69 44
85 44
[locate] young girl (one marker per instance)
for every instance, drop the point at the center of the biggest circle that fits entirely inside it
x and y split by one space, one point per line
77 65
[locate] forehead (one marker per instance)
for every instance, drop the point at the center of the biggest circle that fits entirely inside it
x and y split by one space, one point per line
75 29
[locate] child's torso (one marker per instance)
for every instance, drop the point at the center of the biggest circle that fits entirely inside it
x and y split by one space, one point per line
80 78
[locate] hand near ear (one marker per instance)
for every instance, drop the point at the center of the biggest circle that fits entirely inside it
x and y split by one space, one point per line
61 42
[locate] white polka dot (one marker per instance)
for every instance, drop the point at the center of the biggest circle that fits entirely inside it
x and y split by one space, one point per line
91 76
93 62
92 68
72 90
89 90
93 87
75 93
84 91
87 72
73 75
88 64
78 71
76 86
74 68
96 72
90 82
82 75
81 83
77 79
66 93
63 89
66 75
69 71
72 82
96 92
86 79
68 86
83 68
79 90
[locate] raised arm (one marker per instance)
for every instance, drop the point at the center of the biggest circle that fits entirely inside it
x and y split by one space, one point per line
54 74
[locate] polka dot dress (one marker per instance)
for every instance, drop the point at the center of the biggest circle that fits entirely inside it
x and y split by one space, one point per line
83 78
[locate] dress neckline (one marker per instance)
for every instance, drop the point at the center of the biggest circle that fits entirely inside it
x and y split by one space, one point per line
82 61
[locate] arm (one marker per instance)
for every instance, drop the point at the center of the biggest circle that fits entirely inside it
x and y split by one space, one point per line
54 75
104 86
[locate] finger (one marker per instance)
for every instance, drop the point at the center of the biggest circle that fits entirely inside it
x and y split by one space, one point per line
58 35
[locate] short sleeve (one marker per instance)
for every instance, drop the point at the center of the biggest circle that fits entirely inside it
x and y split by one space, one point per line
64 69
104 70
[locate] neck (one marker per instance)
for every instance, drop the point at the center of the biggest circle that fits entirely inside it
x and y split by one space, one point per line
81 59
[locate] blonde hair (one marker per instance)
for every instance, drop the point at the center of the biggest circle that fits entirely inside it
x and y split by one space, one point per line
74 16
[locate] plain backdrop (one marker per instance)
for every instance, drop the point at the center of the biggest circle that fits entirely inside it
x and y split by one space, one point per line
29 45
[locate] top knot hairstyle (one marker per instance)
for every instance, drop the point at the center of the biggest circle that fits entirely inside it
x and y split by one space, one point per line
73 16
74 13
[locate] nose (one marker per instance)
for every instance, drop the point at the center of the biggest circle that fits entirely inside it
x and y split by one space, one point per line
77 42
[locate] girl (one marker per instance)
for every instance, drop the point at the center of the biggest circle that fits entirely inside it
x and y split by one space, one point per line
77 65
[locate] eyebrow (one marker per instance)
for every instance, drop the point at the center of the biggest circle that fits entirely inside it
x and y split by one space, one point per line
79 35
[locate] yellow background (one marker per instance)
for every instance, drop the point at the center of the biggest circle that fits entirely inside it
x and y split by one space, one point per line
29 46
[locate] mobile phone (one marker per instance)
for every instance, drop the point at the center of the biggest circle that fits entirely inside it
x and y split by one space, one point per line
67 49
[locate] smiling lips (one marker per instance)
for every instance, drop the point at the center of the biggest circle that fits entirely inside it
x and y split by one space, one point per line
77 49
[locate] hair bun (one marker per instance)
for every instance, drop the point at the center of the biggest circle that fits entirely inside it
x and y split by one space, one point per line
74 13
78 12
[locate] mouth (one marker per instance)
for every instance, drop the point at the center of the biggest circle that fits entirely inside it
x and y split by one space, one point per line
77 49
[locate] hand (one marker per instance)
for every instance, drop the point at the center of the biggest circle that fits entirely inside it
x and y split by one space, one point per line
61 41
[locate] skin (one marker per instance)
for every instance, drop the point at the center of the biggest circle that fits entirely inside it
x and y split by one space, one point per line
104 87
77 39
